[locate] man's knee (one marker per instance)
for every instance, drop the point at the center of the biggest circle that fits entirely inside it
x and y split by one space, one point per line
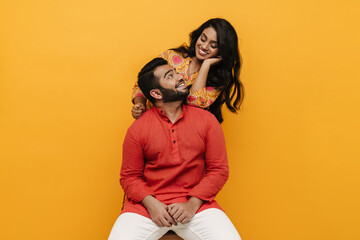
133 226
213 224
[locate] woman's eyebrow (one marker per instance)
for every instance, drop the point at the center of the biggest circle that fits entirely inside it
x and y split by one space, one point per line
207 37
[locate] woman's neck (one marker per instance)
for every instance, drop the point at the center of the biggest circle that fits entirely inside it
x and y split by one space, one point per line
194 65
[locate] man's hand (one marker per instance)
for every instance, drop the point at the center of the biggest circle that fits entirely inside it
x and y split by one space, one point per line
158 211
137 110
184 212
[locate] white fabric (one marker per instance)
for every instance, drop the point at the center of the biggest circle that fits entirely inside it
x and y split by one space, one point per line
210 224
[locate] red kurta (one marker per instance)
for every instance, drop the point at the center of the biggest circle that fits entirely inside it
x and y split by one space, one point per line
173 161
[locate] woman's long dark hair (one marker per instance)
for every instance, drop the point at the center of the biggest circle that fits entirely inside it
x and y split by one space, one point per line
225 74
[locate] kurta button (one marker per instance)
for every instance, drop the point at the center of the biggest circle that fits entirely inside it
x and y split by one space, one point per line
172 130
168 121
173 141
161 111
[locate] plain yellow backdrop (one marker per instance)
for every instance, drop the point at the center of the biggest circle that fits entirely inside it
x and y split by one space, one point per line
66 73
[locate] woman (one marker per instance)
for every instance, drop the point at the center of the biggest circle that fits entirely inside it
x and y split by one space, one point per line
211 67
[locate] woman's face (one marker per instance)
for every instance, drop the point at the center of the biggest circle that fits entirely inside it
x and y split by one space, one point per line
206 46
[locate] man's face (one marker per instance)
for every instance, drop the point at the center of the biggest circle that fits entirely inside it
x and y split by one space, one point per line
172 84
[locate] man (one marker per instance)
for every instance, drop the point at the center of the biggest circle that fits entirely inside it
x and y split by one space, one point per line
174 164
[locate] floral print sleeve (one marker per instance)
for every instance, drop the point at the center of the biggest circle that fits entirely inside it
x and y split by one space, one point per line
167 55
136 92
203 97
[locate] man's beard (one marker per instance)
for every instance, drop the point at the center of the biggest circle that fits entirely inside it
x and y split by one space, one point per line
171 95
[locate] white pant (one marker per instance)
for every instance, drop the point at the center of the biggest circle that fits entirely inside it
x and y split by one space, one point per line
210 224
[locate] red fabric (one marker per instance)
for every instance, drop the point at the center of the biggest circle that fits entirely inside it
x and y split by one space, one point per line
173 161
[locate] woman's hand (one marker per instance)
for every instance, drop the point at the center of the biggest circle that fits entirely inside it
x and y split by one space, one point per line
200 80
137 110
212 61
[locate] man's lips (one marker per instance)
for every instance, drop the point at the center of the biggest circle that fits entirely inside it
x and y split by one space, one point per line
180 84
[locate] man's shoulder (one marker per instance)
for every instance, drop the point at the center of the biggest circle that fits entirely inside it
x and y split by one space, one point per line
204 115
145 119
197 110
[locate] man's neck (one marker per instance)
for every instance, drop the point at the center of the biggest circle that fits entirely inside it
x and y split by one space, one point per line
171 109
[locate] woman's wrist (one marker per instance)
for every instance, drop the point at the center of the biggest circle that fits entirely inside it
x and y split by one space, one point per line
205 65
140 100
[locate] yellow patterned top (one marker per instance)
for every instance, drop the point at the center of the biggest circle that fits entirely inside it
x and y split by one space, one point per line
202 98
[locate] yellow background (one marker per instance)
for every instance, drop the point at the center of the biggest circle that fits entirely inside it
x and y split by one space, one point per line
66 73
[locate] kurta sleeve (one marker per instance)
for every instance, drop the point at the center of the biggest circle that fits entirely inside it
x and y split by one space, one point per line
132 168
203 97
216 162
136 92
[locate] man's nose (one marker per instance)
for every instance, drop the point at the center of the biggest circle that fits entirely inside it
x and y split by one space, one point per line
180 76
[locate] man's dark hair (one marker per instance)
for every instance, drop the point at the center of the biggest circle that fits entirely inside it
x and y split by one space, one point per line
146 78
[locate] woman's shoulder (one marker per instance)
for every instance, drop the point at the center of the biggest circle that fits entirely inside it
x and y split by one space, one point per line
168 52
173 57
171 52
